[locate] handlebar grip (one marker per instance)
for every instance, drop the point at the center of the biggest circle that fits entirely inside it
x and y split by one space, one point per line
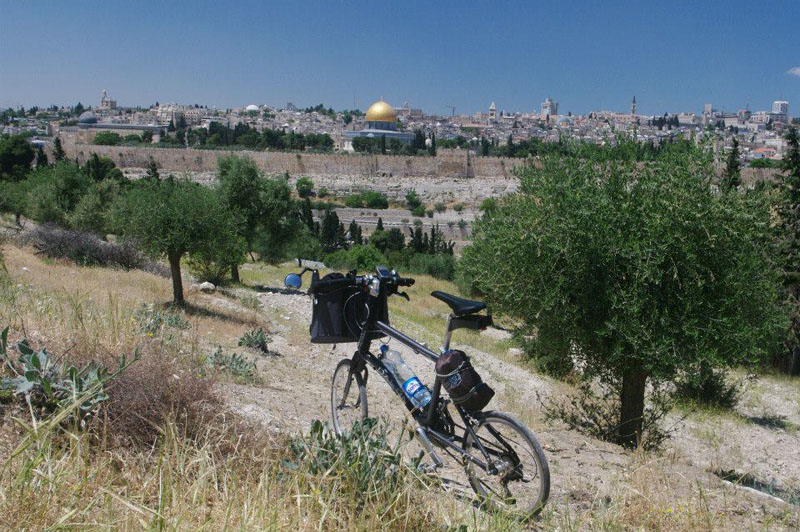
329 285
405 281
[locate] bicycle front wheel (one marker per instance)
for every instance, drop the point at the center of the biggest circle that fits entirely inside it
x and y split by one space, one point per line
348 397
521 483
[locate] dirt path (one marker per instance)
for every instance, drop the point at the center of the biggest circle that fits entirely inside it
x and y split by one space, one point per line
586 473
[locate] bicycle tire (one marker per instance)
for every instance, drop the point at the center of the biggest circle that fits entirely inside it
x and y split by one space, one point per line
339 404
528 445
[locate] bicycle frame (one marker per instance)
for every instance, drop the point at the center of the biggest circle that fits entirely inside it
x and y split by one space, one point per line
424 430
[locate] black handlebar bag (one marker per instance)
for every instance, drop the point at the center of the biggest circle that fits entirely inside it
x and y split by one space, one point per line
337 315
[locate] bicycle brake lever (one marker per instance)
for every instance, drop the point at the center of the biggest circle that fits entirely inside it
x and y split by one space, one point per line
403 295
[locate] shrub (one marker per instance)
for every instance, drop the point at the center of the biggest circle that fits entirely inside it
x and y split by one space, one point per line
53 193
323 192
440 265
458 207
305 187
412 199
440 207
256 339
370 198
708 387
418 211
358 258
429 213
86 249
107 138
488 205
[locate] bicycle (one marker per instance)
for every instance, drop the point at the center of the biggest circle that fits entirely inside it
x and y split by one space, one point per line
502 458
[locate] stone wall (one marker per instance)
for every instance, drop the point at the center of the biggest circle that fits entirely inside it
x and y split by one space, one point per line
453 164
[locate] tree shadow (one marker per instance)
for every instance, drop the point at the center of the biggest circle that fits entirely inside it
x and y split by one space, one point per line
283 291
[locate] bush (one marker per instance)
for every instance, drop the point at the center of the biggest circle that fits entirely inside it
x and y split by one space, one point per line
412 199
418 211
153 321
708 388
440 265
305 187
107 138
356 258
323 192
370 199
429 213
458 207
488 205
54 192
440 207
86 249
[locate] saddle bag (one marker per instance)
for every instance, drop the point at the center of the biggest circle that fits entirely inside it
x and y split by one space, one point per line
462 382
337 315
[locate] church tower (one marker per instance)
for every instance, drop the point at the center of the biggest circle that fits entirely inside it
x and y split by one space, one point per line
633 106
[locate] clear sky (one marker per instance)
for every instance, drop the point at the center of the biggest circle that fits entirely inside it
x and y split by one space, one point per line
673 55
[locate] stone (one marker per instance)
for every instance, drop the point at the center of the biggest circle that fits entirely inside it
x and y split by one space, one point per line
206 287
516 352
496 334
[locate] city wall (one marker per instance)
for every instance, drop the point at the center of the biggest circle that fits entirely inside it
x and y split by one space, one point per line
452 164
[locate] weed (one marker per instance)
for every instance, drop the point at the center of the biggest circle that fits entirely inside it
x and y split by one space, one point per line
234 364
256 339
48 384
152 321
250 301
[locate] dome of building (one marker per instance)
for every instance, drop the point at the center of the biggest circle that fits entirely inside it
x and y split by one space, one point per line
251 107
381 111
87 117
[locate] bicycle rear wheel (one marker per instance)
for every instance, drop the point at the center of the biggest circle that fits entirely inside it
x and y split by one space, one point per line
348 398
522 483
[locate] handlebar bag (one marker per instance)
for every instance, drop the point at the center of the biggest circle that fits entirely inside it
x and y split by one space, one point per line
337 315
462 382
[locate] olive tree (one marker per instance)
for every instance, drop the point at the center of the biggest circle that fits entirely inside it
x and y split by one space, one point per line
636 270
262 205
174 217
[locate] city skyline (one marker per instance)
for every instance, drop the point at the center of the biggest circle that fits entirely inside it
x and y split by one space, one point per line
671 58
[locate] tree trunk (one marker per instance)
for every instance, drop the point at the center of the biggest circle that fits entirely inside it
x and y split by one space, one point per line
17 219
177 283
632 407
235 273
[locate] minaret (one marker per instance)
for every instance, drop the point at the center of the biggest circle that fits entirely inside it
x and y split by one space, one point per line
633 106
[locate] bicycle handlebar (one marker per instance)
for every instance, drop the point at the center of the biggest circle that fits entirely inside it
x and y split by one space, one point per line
328 285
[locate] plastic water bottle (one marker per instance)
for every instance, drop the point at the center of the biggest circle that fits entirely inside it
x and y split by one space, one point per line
418 393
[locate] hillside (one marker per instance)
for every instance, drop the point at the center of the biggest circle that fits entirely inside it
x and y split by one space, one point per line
187 481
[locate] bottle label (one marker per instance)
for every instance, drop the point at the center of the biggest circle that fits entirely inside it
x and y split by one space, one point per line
411 386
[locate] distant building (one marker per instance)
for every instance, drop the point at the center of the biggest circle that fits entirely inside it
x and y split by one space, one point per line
633 106
106 103
492 112
780 111
381 121
549 108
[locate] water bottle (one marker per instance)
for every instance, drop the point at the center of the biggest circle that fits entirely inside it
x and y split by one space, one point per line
417 393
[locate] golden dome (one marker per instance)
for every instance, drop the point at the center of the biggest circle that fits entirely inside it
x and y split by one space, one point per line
381 111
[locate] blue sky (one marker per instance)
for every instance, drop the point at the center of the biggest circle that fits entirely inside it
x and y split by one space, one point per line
673 56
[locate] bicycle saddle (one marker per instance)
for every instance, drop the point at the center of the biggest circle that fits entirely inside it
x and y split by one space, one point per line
459 305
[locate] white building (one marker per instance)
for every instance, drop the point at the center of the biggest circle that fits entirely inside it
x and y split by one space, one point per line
780 111
549 108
